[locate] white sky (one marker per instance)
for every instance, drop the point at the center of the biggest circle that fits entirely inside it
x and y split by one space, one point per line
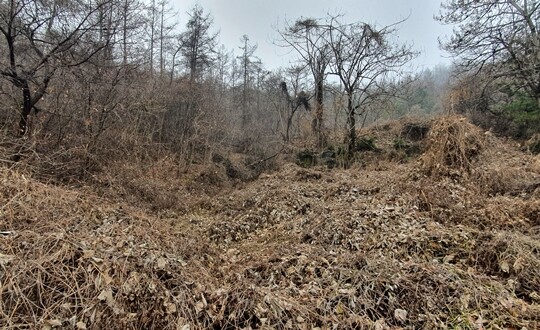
258 18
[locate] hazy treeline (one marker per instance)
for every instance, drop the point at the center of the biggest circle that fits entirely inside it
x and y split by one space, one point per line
117 76
99 79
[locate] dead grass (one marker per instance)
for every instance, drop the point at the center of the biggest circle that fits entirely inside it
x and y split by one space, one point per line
453 146
387 247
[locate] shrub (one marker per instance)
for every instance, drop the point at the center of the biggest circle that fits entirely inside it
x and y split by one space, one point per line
400 144
366 144
453 145
306 158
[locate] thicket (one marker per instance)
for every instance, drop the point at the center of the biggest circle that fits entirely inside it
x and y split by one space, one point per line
83 86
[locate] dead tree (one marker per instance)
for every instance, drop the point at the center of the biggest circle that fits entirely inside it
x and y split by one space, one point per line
294 103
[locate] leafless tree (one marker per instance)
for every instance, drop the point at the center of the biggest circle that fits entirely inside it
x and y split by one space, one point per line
42 37
498 37
363 56
295 98
307 36
249 64
198 42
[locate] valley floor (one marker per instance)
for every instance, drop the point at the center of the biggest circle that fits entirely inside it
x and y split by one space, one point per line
382 247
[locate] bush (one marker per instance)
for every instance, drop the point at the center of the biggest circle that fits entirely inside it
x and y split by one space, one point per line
366 144
533 145
400 143
306 158
415 131
453 145
524 112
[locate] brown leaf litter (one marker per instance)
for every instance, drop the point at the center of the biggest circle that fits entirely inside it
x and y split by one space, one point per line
438 243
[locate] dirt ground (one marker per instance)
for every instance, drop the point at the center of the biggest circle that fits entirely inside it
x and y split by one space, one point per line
447 238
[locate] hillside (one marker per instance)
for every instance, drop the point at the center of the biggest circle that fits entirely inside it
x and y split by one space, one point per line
448 238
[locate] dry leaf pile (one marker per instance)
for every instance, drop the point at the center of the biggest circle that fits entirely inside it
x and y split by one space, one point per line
398 248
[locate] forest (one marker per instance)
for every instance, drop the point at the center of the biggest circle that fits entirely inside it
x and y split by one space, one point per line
152 177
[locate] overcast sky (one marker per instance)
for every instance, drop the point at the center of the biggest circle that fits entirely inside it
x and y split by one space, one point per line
258 19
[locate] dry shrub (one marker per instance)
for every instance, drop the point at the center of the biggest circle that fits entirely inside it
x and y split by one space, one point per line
298 248
496 181
509 212
506 170
514 257
71 261
156 184
453 146
415 131
505 180
58 278
241 167
533 144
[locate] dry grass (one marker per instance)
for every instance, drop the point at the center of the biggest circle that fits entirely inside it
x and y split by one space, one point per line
452 147
393 247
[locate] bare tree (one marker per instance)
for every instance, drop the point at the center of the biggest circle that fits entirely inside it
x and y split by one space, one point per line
308 38
127 14
165 29
363 56
198 42
152 25
41 37
292 96
498 37
248 65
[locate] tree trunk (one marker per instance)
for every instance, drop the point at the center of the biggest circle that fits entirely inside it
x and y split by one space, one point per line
161 36
26 109
287 131
152 34
351 125
124 32
320 140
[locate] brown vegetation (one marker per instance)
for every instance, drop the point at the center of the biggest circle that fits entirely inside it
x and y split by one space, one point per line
453 146
383 247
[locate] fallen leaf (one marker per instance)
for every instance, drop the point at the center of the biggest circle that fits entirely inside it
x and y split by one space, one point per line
380 324
519 264
170 307
5 259
505 267
88 254
535 296
199 307
161 263
448 258
339 308
106 295
400 314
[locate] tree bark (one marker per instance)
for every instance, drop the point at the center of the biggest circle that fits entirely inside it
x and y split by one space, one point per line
26 109
319 114
351 125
